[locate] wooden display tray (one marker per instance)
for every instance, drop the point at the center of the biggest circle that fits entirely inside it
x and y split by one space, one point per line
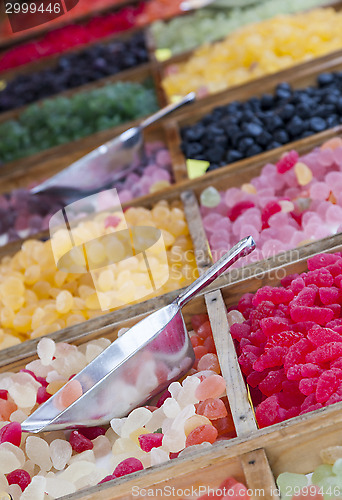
255 457
189 193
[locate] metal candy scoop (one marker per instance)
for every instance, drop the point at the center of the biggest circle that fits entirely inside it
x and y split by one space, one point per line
136 366
105 165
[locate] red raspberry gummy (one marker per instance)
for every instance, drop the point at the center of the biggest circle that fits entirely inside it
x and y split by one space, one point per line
272 294
272 357
306 297
11 433
326 352
322 260
3 394
326 386
79 442
319 335
287 162
20 477
268 412
128 466
329 295
319 315
149 441
271 326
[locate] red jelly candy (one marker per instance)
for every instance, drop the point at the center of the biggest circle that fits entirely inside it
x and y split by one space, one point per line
225 426
200 434
326 352
294 372
287 162
3 394
336 310
79 442
297 352
11 433
285 282
273 294
270 209
92 432
20 477
317 406
107 478
297 285
319 277
319 335
239 208
254 378
162 398
310 370
283 339
212 408
128 466
308 385
245 304
246 361
240 330
329 295
209 344
322 260
196 341
318 315
204 330
268 412
273 325
306 297
42 395
149 441
272 383
272 357
326 386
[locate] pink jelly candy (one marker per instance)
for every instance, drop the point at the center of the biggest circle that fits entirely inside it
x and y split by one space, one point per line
322 260
319 335
326 352
79 442
326 386
319 315
128 466
272 294
11 433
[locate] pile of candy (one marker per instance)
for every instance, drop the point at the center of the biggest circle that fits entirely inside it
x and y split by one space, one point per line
290 341
80 9
193 413
36 298
256 50
244 129
289 204
23 214
211 24
67 37
60 120
324 483
73 70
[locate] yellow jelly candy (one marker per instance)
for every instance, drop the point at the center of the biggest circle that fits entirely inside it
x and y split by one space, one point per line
64 302
303 173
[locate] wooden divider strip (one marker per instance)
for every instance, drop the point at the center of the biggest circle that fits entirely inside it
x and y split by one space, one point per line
197 232
173 142
240 407
259 475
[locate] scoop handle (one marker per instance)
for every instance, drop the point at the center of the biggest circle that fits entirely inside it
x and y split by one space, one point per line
189 98
241 249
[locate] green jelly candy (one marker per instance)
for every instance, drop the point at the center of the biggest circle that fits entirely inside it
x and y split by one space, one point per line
210 197
321 472
290 484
